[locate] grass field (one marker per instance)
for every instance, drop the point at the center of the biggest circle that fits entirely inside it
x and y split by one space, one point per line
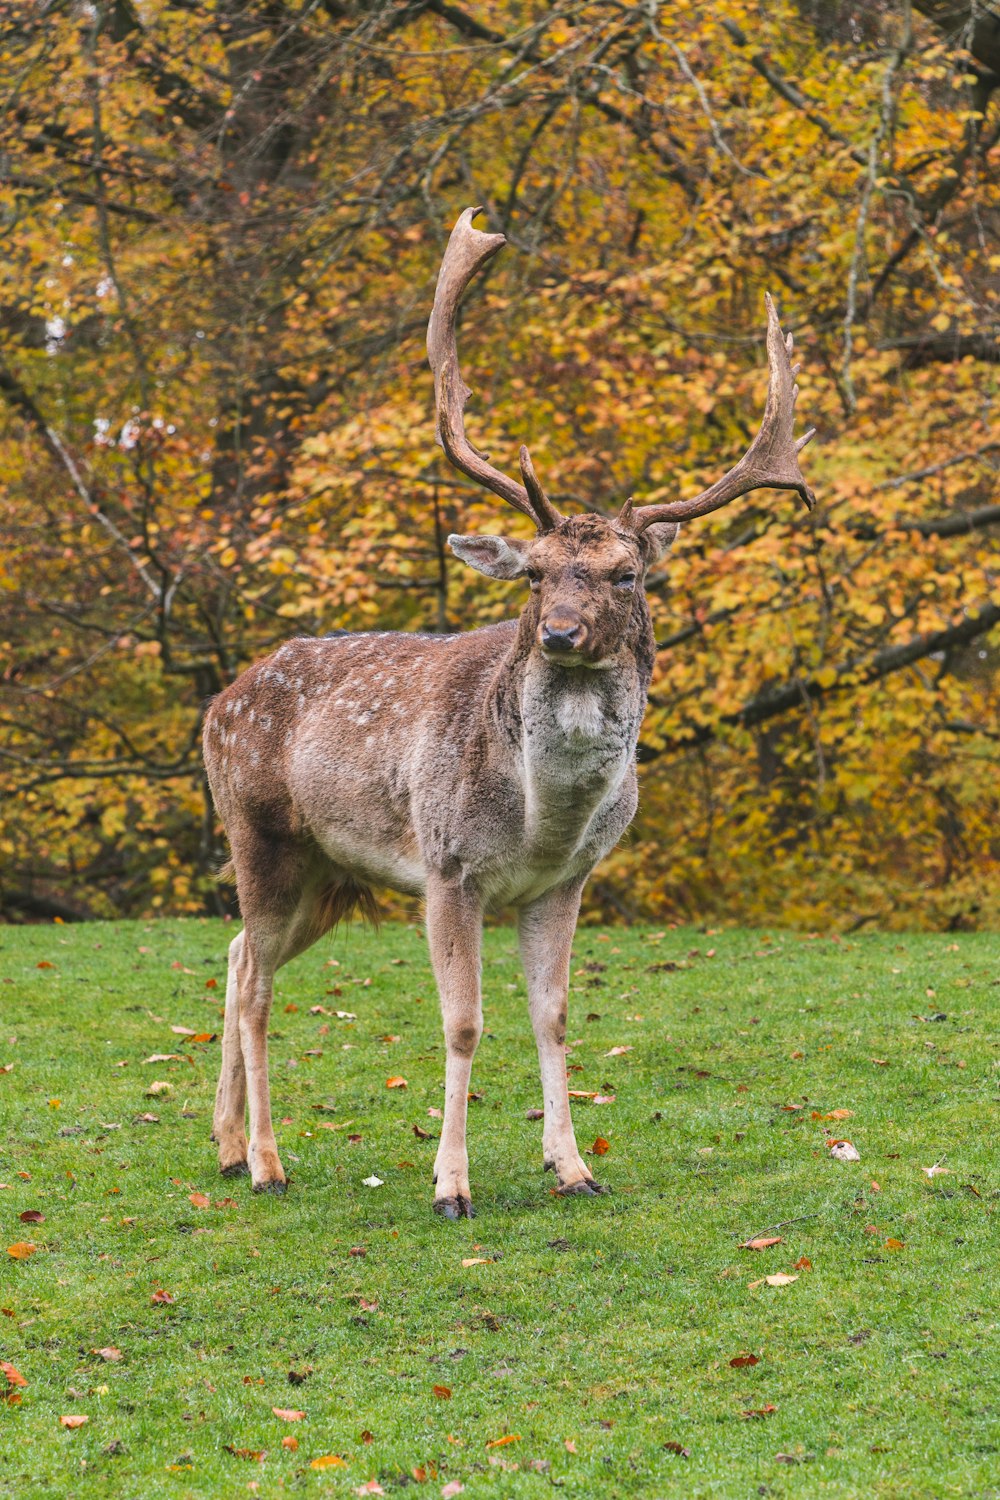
596 1335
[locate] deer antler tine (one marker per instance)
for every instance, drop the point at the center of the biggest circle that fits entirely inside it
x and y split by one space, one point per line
467 252
771 461
624 517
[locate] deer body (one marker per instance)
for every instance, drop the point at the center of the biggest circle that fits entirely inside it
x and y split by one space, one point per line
482 770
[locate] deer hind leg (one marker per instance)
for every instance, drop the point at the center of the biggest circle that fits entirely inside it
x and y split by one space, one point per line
546 929
229 1121
286 907
454 932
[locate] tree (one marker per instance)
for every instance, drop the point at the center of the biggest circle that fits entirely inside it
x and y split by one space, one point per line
221 225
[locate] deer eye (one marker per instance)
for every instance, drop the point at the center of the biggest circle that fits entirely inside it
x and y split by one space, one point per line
626 581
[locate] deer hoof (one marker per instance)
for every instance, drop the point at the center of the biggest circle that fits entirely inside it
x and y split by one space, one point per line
235 1169
454 1208
276 1185
583 1189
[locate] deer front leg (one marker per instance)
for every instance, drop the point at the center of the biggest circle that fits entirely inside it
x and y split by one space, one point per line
454 931
546 929
229 1121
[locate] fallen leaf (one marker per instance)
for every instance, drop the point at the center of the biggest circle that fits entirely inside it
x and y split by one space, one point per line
256 1455
160 1296
803 1264
780 1278
758 1411
21 1250
44 964
396 1083
453 1487
843 1151
159 1086
762 1242
600 1147
200 1200
618 1051
328 1461
535 1114
971 1189
581 1094
475 1260
741 1361
211 984
156 1057
569 1445
205 1036
677 1448
881 1062
892 1244
289 1442
605 1098
787 1458
147 1119
936 1171
373 1182
183 1030
370 1487
366 1436
435 1113
74 1420
32 1216
422 1134
110 1355
14 1377
511 1437
288 1413
443 1392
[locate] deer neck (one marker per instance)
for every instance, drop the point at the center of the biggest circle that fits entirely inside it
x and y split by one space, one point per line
572 730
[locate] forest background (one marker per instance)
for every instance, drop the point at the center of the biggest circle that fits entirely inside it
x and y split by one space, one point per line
220 225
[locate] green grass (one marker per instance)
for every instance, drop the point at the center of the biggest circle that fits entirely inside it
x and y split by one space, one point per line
607 1322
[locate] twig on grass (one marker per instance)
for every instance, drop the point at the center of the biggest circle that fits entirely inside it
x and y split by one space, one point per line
784 1222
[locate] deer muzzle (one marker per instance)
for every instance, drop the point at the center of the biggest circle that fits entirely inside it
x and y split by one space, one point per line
562 633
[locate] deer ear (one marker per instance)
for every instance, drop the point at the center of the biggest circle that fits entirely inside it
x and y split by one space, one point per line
492 555
659 539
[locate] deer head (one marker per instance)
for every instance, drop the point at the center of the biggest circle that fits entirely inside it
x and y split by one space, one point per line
584 571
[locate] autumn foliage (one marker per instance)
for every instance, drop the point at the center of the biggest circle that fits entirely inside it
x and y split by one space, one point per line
221 226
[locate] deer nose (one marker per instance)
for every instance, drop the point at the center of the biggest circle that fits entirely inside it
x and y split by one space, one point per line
562 632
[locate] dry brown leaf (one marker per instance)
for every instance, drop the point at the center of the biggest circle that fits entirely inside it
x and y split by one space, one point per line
288 1413
892 1244
618 1051
762 1242
255 1455
200 1200
741 1361
501 1442
75 1420
110 1354
14 1377
600 1147
475 1260
758 1411
396 1083
803 1264
289 1442
328 1461
160 1296
21 1250
780 1278
678 1448
32 1216
936 1171
443 1392
569 1445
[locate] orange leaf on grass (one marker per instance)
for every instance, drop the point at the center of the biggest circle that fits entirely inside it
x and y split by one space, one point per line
110 1354
600 1147
256 1455
160 1296
803 1264
762 1242
758 1411
14 1377
200 1200
21 1250
288 1413
328 1461
511 1437
891 1244
442 1392
569 1444
289 1442
73 1421
44 964
396 1083
741 1361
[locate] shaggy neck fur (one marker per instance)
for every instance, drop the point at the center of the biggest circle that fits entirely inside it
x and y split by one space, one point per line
572 730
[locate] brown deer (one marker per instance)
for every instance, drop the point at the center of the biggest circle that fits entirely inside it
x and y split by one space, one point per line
483 770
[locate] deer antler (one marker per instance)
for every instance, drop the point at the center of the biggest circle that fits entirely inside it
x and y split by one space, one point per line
771 461
467 252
